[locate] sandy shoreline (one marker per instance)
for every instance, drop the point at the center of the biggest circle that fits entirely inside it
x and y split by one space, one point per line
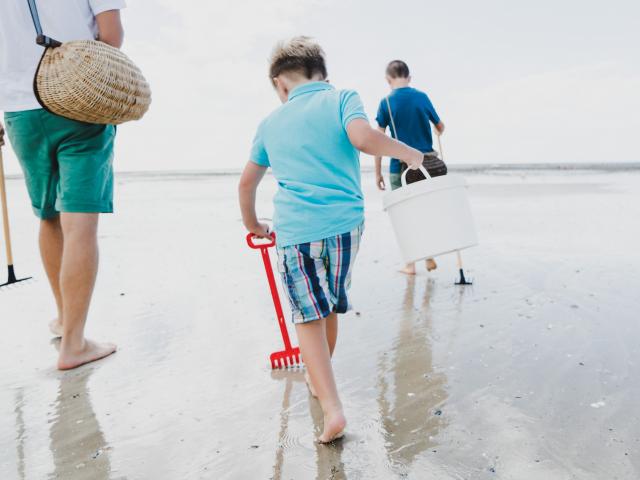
532 373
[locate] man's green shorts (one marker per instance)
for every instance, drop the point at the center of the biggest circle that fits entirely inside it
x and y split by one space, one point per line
67 164
395 180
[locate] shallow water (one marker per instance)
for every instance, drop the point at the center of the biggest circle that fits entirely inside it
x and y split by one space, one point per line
531 373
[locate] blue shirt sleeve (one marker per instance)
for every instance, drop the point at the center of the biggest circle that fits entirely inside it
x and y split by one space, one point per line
258 152
431 111
351 107
382 116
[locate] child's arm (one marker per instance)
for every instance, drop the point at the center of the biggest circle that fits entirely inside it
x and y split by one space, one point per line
249 181
374 142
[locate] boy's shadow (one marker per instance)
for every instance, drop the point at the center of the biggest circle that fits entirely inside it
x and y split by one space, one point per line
411 391
328 457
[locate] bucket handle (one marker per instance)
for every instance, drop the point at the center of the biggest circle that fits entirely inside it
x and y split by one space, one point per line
421 168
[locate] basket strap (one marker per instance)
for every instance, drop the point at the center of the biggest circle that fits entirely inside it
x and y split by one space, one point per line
41 39
393 124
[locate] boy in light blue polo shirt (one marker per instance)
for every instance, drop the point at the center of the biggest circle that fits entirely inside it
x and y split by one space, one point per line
312 145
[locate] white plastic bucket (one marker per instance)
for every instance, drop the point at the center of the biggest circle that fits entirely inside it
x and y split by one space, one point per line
431 217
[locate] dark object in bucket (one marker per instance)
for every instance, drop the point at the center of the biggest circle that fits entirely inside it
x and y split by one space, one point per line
434 165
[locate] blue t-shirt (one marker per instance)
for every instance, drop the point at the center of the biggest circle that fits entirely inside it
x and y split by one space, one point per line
412 111
306 145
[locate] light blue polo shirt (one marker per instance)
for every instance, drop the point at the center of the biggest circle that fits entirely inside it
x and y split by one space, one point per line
306 145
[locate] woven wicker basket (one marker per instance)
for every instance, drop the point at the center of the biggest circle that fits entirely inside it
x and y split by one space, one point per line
92 82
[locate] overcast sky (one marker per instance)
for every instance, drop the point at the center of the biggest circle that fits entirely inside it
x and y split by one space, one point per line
514 81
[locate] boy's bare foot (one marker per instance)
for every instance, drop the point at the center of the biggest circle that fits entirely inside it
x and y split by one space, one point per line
409 269
431 264
334 425
312 389
55 327
90 352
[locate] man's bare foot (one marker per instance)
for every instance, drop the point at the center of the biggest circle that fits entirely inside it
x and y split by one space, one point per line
90 352
55 327
431 264
334 426
312 389
409 269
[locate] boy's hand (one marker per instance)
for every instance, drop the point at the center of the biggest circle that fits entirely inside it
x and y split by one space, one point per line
380 182
416 159
1 135
261 230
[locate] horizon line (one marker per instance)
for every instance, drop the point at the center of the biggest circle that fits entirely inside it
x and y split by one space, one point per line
456 167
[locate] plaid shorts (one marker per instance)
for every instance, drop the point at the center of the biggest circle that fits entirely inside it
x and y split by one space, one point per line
317 275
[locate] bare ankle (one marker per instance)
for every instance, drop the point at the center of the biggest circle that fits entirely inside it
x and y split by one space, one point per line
71 343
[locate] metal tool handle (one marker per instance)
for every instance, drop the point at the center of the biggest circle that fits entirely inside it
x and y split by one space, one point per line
440 146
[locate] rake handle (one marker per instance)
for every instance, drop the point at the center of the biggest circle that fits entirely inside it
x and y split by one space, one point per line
5 212
264 251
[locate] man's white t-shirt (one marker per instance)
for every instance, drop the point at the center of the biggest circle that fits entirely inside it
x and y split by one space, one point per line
63 20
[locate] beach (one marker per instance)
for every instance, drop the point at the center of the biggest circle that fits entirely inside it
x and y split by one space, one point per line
532 372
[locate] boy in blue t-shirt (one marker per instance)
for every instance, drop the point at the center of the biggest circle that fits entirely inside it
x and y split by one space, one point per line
312 145
409 113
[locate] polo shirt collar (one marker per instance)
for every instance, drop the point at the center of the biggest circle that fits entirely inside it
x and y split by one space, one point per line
308 88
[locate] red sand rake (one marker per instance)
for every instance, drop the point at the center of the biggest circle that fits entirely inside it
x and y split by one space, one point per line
290 356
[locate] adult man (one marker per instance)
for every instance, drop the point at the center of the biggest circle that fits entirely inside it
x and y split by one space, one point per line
409 113
67 164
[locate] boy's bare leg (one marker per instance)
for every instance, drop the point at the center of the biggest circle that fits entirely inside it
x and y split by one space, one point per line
77 279
51 252
409 269
331 325
431 264
317 357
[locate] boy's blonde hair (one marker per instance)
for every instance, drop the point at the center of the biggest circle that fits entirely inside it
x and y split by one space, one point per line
300 55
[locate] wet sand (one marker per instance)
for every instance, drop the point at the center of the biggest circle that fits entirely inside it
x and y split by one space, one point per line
531 373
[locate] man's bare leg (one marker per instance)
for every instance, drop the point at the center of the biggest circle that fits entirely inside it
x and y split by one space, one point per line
51 252
331 325
430 264
317 358
77 278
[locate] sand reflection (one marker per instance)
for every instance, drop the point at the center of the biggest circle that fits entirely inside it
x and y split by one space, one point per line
79 448
328 457
284 419
20 432
411 393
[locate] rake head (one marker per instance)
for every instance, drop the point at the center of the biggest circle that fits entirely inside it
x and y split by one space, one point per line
286 359
462 280
12 279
